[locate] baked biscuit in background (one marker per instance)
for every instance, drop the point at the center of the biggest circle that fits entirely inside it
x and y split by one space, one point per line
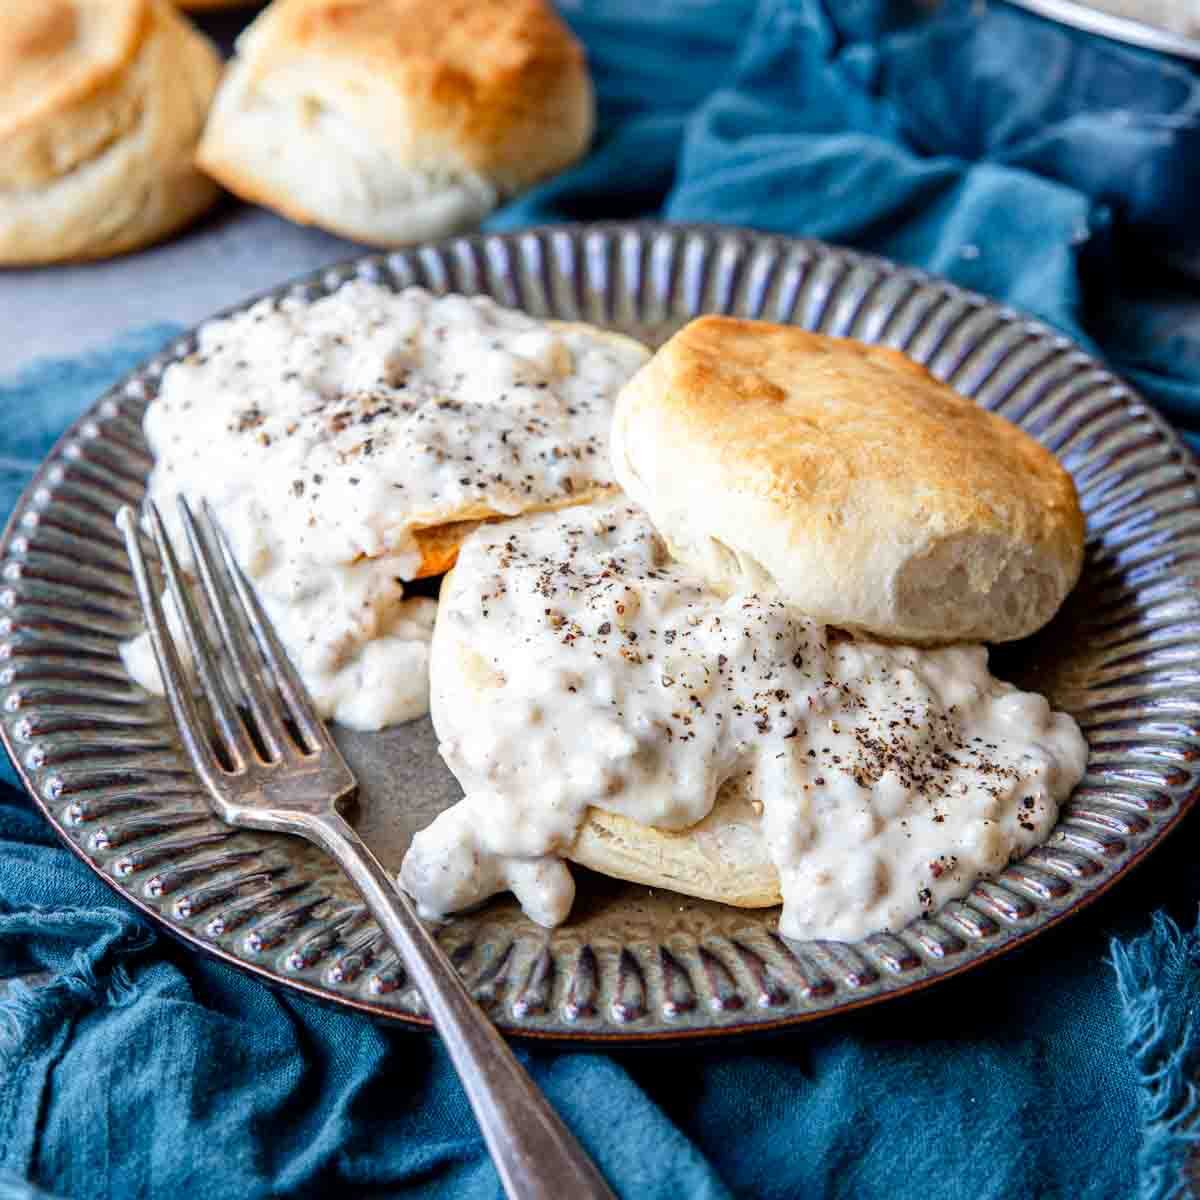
101 105
391 121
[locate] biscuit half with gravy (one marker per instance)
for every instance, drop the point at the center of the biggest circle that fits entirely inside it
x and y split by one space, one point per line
849 481
805 486
439 541
381 424
390 121
101 106
348 445
723 857
599 702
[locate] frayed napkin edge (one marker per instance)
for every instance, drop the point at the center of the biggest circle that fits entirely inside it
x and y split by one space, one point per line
1158 982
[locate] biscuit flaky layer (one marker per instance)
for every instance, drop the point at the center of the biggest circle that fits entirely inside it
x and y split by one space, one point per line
439 544
419 115
723 858
101 106
847 479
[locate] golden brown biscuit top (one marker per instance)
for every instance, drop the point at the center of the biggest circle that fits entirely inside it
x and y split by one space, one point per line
472 66
54 52
798 417
478 40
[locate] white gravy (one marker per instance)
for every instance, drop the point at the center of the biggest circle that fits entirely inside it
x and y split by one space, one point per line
324 433
889 777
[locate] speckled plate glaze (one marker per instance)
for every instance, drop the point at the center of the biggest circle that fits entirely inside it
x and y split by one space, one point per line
103 762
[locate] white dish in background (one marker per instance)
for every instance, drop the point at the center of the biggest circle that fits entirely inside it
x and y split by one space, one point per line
1172 26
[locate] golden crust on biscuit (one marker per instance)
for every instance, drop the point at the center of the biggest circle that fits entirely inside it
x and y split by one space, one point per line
422 114
439 546
848 480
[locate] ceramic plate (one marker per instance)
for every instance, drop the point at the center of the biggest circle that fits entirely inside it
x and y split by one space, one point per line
102 760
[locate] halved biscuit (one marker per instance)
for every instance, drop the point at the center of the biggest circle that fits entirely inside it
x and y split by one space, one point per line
723 857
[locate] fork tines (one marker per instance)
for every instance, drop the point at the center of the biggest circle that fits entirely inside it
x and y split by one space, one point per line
246 674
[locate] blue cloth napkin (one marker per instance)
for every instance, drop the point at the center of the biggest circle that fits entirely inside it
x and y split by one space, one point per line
1045 168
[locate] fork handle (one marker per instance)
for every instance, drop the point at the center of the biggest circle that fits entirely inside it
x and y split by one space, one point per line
535 1154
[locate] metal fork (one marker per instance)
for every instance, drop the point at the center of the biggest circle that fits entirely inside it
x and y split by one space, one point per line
270 763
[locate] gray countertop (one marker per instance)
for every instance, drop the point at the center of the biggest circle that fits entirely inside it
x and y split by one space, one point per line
232 254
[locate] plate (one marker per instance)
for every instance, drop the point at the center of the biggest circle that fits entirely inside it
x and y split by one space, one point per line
1110 19
102 760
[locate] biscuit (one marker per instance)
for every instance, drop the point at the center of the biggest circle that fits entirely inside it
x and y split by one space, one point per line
847 480
101 106
723 857
391 121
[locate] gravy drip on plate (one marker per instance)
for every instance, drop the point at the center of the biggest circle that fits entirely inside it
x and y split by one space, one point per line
602 673
323 433
360 645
